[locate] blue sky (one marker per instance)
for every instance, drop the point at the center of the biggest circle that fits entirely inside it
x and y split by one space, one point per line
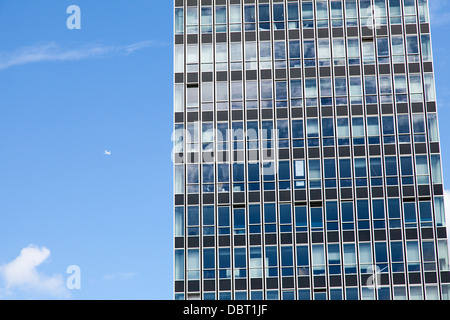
440 26
66 96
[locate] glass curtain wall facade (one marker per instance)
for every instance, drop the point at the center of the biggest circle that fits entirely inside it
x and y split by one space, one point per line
306 151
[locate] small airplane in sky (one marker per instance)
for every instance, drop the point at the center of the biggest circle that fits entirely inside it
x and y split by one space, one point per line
108 153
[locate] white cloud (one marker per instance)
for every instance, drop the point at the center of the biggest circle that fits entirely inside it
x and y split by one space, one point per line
56 52
21 275
447 210
447 207
138 46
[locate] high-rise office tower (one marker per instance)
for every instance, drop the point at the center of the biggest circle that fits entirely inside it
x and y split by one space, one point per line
306 151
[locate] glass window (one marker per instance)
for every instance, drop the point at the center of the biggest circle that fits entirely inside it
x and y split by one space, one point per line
312 128
293 11
378 208
207 53
239 221
403 124
439 211
318 257
310 88
206 18
299 169
179 98
221 14
179 221
347 212
372 126
423 11
179 59
436 168
394 208
341 86
179 179
294 50
309 51
368 52
179 264
223 217
193 264
284 170
209 258
193 216
355 86
426 48
412 251
269 213
421 165
307 11
278 12
410 214
279 50
302 256
430 93
327 127
371 85
342 127
391 166
365 253
301 217
383 47
406 166
349 254
255 262
240 260
360 167
362 208
296 88
375 167
249 13
281 90
192 16
345 170
325 87
264 12
330 168
412 45
323 48
332 211
316 218
286 256
208 215
428 251
179 20
380 252
224 258
314 169
425 213
271 260
253 172
358 127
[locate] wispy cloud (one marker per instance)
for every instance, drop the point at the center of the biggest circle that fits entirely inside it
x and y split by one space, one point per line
129 49
21 276
55 52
